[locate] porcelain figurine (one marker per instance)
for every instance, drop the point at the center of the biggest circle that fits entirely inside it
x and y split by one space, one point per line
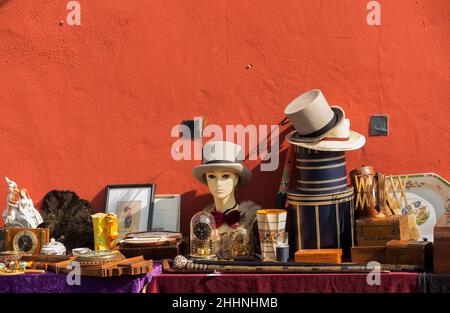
20 211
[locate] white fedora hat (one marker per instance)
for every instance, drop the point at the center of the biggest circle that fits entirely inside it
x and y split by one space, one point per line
340 138
312 117
222 155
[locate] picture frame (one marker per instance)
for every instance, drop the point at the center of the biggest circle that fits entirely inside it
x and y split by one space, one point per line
166 213
133 204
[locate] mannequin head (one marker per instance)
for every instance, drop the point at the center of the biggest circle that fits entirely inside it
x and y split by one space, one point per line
221 183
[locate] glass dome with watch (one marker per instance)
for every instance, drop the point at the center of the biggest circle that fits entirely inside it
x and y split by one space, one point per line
202 236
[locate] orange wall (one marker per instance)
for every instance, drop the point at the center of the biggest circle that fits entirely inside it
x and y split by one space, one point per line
83 107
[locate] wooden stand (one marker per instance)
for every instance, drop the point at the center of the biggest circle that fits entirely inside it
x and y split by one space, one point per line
48 262
131 266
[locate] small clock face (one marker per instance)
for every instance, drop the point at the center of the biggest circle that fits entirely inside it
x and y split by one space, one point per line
25 241
202 231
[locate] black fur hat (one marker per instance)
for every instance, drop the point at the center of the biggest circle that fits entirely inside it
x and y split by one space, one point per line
69 219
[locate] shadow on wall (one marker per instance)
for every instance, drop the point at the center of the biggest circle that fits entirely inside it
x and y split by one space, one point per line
263 190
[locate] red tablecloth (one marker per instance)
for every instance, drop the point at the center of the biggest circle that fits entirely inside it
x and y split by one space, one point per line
282 283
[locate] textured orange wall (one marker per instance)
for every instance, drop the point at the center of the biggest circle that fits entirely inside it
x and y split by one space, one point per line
86 106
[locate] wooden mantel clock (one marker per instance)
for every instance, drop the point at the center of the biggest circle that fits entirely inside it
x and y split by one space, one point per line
27 240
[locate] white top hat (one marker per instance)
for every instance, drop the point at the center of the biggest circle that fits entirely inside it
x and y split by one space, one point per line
340 138
222 155
312 117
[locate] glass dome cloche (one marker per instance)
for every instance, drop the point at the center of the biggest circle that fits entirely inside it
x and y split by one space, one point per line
202 236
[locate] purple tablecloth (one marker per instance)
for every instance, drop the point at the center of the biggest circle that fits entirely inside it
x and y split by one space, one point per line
56 283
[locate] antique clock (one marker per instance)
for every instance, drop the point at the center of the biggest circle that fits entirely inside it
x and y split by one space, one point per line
27 240
202 235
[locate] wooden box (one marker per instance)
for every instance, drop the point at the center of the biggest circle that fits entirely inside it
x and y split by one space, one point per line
377 231
332 256
441 246
156 252
409 252
369 253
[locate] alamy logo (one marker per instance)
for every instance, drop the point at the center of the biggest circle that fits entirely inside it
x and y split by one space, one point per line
74 276
374 16
374 277
74 16
255 140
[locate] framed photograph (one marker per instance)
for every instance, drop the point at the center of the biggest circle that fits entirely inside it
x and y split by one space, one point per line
133 205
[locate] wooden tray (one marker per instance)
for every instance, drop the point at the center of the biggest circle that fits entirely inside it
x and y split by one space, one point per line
131 266
48 262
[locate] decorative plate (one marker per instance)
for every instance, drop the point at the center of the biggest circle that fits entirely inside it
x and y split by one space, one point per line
428 197
99 257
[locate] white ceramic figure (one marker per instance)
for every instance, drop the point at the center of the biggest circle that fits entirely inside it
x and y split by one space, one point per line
20 211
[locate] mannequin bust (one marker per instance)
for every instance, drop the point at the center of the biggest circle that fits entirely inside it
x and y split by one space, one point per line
222 184
222 170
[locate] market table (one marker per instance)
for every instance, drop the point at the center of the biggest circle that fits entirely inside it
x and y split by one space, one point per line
56 283
283 283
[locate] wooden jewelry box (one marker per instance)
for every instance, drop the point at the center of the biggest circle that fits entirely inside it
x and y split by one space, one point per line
329 256
153 245
377 231
409 252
